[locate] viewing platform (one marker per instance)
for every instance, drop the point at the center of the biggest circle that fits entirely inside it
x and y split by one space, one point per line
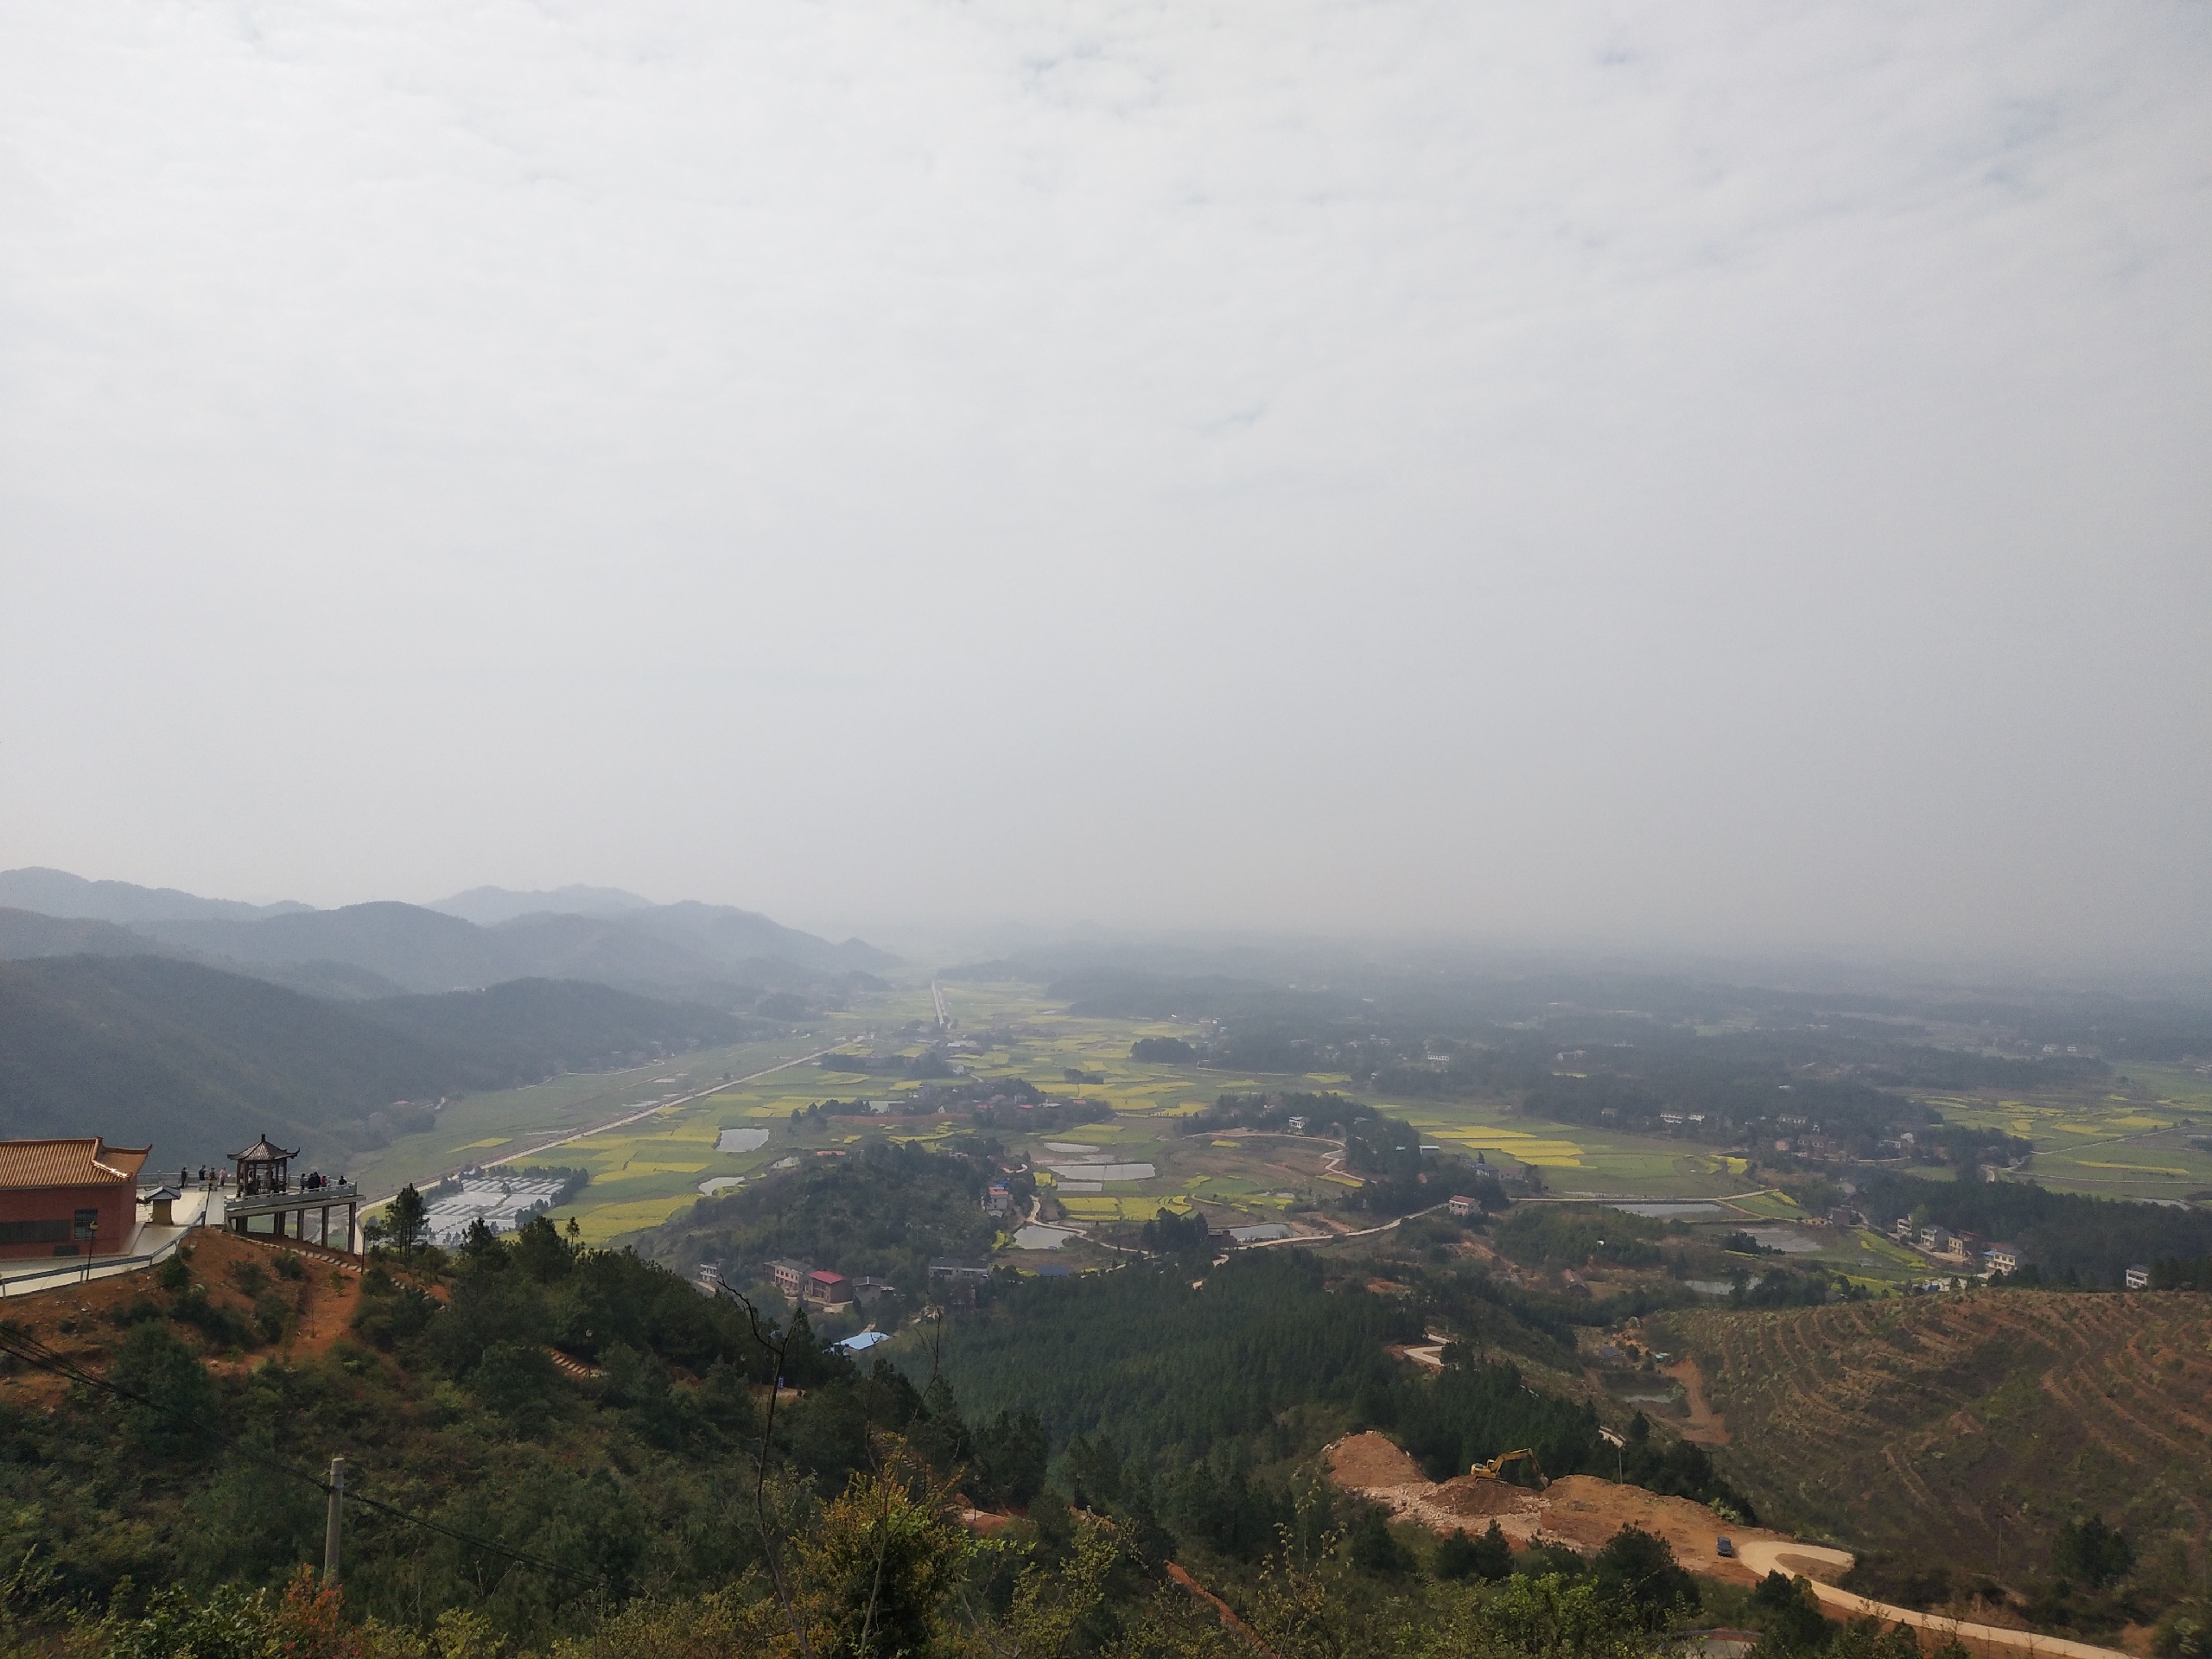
324 1215
267 1203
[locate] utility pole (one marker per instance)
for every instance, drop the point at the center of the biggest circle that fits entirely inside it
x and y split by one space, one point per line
330 1527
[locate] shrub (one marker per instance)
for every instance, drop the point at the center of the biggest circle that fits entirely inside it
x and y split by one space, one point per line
175 1273
221 1326
2088 1552
1489 1557
1641 1570
271 1314
1374 1550
170 1407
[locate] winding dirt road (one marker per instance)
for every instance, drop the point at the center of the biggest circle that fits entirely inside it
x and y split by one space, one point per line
1765 1555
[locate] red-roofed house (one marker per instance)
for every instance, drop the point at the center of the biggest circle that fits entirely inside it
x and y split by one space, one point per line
826 1288
68 1198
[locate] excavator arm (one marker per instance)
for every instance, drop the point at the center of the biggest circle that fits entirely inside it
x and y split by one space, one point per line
1496 1468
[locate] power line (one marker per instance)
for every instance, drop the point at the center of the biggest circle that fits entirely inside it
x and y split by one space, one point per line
22 1346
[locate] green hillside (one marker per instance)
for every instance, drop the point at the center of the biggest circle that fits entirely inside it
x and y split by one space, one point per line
198 1061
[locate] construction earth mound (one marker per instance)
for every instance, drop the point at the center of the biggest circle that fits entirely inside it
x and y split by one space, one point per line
1581 1511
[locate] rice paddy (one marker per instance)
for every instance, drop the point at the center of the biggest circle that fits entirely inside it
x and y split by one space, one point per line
2145 1133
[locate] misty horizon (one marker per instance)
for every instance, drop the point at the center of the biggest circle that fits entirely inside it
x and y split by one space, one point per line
1249 954
1697 484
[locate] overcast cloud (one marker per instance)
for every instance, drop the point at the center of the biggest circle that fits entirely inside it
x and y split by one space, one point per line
1718 474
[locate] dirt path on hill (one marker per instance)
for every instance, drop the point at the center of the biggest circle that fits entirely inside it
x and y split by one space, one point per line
1581 1511
1222 1609
1706 1426
1810 1560
1585 1511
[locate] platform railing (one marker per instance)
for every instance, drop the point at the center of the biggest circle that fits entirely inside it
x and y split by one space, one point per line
80 1268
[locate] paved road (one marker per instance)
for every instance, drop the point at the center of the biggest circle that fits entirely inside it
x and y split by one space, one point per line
643 1112
1765 1555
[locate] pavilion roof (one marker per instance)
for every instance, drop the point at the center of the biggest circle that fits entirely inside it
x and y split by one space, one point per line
261 1151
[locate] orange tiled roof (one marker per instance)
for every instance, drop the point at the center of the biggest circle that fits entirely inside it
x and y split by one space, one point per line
87 1162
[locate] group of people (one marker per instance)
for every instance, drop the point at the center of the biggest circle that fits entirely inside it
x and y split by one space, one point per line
313 1181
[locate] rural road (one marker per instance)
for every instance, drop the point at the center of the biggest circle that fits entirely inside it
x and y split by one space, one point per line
659 1106
643 1112
1765 1555
1335 1158
1333 1238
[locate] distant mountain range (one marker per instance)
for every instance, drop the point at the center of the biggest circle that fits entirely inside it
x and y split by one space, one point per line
484 937
57 892
489 906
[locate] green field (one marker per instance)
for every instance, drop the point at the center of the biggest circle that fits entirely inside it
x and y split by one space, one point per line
2130 1140
2119 1140
477 1127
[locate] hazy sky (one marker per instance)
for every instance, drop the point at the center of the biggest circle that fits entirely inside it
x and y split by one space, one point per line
1699 474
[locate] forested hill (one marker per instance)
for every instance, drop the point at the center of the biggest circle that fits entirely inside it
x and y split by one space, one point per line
885 1211
1173 1368
198 1061
499 1502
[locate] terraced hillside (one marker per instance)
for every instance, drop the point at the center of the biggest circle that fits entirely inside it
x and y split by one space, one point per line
1915 1425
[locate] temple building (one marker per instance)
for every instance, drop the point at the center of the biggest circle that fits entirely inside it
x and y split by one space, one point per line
77 1196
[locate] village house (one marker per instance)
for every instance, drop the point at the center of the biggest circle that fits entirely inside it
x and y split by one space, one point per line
1463 1206
77 1196
2003 1258
967 1278
790 1276
2139 1278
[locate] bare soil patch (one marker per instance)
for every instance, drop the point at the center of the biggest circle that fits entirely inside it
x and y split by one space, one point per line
76 1320
1581 1510
1705 1425
1359 1462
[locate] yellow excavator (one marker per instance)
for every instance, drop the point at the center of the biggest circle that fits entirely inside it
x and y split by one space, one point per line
1495 1469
